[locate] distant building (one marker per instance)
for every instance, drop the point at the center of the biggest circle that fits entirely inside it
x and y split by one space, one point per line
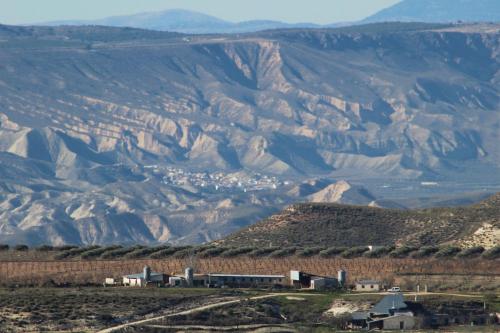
391 313
145 278
368 285
321 283
302 280
243 281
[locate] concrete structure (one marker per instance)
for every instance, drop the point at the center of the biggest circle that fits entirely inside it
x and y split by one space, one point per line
398 322
321 283
176 281
342 277
368 286
145 278
302 280
391 313
189 276
111 282
242 280
372 248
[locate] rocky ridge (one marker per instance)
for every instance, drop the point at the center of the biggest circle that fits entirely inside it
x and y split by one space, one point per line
86 111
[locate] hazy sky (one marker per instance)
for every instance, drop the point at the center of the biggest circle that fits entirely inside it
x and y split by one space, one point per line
317 11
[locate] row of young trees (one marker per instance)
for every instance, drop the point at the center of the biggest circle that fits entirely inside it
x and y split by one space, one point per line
211 251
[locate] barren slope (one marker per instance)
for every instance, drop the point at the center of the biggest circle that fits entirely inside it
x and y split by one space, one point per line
92 119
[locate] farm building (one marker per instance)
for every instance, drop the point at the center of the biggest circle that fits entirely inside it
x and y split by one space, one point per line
391 313
145 278
189 279
303 280
238 280
368 285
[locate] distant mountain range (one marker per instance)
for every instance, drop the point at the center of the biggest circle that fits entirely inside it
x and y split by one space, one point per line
178 20
191 22
122 135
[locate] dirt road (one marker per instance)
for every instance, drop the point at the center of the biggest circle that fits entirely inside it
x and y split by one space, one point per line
224 303
199 309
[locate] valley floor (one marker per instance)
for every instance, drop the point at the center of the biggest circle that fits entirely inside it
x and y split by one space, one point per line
125 310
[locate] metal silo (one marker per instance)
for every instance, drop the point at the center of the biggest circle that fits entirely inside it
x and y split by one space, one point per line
189 276
147 273
342 277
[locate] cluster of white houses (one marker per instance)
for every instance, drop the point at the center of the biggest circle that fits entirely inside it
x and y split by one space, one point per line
218 280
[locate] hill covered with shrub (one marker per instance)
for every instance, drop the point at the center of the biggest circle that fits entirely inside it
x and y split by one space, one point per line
342 225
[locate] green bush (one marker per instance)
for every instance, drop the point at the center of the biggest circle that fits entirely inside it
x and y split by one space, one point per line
332 252
402 252
117 253
237 252
378 252
168 252
65 247
212 252
491 254
74 252
262 252
286 252
448 252
471 252
45 248
425 252
354 252
21 247
144 252
310 251
91 254
185 253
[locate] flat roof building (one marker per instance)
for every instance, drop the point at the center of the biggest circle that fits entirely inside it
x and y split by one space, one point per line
245 280
368 285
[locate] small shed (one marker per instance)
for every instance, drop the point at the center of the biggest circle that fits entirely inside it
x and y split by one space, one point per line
368 285
398 322
321 283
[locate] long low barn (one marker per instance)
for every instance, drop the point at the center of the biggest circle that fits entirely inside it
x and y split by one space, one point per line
241 280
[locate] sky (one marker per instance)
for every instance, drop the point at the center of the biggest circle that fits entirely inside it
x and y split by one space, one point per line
293 11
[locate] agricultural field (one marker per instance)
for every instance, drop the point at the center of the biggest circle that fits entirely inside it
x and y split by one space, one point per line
92 309
118 252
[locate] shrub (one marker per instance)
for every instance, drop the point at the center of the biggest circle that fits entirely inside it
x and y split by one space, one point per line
237 252
4 247
184 253
45 248
262 252
96 252
425 252
354 252
491 254
332 252
117 252
448 252
21 247
65 247
471 252
378 252
74 252
212 252
310 251
168 252
402 252
144 252
286 252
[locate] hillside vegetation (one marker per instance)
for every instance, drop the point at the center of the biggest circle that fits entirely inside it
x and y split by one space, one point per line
341 225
